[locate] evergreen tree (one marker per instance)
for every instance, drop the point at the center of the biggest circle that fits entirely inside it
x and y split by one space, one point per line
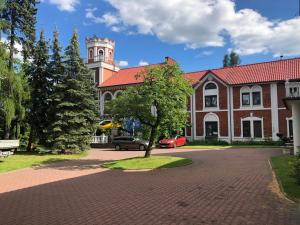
29 12
56 70
20 16
40 91
226 61
76 109
56 66
233 59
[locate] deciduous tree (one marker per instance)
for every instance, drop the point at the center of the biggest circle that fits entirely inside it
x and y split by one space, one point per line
159 103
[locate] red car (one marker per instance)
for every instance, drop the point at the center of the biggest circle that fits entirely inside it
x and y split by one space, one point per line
173 142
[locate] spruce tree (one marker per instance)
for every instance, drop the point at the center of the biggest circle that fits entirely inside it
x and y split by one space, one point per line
28 12
56 70
226 61
76 112
40 91
233 59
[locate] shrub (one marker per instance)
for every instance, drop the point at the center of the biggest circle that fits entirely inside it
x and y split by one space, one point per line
208 142
264 142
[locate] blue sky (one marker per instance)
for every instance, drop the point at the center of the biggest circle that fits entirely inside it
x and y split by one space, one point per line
197 33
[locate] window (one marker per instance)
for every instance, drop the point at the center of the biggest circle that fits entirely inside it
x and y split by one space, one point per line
290 128
101 55
256 98
211 95
246 99
257 128
107 98
211 101
246 129
211 129
252 127
210 86
91 54
251 96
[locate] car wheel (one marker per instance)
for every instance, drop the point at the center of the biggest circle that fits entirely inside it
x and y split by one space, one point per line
142 148
117 147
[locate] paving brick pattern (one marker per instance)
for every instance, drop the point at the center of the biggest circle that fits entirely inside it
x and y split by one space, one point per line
230 187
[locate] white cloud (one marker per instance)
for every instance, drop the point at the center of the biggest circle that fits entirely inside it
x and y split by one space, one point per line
204 53
64 5
123 63
108 18
203 23
18 48
143 63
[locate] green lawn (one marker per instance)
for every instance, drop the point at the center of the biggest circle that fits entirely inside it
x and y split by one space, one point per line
226 146
153 162
23 160
283 166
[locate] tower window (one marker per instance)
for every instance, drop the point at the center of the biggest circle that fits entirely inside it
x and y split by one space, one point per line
91 54
101 55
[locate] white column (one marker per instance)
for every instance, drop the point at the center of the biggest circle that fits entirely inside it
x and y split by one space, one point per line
194 119
296 125
274 111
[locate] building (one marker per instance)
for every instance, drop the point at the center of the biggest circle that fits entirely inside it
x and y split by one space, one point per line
233 104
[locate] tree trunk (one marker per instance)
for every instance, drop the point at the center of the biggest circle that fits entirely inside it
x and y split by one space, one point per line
30 140
151 141
7 133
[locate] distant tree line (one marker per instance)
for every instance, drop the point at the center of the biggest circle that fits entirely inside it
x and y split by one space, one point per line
231 59
47 98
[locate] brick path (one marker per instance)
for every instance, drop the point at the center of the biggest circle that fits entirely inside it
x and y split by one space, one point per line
227 187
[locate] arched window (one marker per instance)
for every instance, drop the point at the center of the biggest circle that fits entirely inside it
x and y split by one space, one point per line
106 98
101 55
211 95
211 126
91 54
251 97
118 94
210 86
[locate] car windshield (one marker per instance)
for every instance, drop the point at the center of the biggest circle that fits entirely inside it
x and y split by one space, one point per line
174 136
105 122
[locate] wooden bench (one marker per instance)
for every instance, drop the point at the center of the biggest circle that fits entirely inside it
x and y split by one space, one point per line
7 147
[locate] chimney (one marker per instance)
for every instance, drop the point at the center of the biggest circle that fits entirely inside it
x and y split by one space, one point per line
170 60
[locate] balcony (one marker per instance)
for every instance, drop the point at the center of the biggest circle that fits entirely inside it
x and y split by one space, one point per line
98 58
292 90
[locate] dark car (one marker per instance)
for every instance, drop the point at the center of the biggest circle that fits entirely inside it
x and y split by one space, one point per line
129 143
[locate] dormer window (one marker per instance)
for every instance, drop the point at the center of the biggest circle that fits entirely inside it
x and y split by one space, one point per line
211 95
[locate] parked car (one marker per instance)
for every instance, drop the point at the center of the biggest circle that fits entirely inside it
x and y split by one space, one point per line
173 141
125 142
108 124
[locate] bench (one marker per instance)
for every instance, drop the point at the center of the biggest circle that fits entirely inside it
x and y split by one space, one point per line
7 147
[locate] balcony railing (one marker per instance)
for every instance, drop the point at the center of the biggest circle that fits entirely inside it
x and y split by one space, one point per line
103 139
98 58
292 89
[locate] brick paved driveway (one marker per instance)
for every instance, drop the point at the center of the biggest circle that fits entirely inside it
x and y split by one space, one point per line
221 187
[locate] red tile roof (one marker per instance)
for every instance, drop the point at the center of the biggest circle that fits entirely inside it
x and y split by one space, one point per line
279 70
125 76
